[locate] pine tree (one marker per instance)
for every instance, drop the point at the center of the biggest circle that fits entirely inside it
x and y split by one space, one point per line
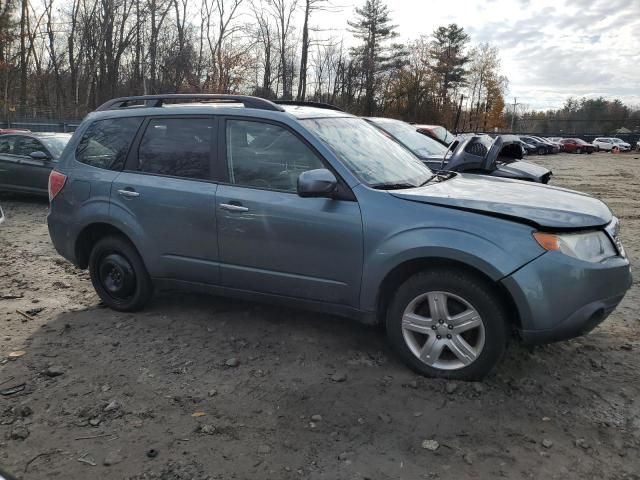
448 53
373 28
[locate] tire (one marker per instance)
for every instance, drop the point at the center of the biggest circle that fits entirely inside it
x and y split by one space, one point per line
461 293
542 151
578 151
589 152
118 274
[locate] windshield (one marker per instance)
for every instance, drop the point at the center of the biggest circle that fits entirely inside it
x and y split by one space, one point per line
55 144
418 143
368 153
443 134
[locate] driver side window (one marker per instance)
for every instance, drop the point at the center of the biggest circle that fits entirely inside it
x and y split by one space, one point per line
264 155
26 146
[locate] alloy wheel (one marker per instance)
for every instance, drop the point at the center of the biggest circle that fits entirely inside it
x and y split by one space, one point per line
443 330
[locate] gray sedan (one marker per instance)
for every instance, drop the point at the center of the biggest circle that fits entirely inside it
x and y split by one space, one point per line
26 159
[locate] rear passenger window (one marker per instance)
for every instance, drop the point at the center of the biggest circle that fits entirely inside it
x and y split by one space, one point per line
264 155
106 142
6 144
179 147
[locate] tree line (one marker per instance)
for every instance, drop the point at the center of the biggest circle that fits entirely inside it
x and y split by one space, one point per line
590 116
62 58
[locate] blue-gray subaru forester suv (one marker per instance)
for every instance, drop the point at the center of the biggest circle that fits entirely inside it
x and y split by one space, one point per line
316 208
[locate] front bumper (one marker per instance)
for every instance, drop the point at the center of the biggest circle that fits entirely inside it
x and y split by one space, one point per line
559 297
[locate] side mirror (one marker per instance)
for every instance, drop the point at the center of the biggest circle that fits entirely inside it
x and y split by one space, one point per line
39 156
317 183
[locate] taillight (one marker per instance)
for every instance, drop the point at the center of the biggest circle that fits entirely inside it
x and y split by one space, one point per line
56 183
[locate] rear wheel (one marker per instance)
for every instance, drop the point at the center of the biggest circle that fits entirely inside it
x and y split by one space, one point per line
447 323
542 151
119 275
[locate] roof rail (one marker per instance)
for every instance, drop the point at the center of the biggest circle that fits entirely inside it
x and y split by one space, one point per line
300 103
158 101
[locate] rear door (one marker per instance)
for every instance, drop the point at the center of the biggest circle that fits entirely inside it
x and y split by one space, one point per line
167 194
273 241
32 174
9 162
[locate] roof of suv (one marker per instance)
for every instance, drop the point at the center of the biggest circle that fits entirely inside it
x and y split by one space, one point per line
213 104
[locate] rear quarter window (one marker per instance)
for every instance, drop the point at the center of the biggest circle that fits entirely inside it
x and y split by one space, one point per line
105 143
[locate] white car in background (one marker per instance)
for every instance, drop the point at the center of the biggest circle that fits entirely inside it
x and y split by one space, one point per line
603 143
621 144
608 143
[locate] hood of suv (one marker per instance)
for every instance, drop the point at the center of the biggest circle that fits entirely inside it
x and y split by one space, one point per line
539 205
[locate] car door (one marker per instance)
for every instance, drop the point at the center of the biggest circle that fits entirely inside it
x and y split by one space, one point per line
32 174
9 163
167 195
273 241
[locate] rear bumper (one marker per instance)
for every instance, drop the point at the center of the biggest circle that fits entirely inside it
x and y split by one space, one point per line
559 297
62 237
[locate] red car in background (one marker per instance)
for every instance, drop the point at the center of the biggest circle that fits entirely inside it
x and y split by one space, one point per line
4 131
577 145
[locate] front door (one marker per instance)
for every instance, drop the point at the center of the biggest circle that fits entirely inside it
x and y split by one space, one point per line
273 241
167 194
32 173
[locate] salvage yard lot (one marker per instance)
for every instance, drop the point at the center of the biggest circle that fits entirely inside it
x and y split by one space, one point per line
200 387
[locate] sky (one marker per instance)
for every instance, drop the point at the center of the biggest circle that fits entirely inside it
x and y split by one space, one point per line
550 49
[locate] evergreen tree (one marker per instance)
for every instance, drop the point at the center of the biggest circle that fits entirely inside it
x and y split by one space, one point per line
373 28
448 53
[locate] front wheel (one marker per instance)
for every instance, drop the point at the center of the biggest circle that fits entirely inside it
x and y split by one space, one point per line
542 151
448 324
118 274
578 151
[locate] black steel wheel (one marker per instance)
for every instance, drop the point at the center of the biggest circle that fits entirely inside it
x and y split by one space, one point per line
118 274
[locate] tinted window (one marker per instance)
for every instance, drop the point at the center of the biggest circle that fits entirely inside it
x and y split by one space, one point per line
106 142
6 144
26 146
266 156
179 147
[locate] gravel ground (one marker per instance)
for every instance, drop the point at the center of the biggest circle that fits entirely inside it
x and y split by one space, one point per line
201 387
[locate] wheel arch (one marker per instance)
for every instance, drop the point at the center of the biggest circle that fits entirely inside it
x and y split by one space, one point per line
407 269
88 237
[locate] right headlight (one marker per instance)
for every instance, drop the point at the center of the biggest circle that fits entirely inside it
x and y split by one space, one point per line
590 246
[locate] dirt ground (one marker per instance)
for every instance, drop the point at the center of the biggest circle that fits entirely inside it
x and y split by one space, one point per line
200 387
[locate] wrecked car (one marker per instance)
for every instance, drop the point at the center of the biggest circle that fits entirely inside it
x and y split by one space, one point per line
469 153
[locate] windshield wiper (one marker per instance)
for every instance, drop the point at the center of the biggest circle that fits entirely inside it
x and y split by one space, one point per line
428 180
392 186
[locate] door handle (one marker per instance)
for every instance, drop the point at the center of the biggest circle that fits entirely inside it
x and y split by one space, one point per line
128 193
233 208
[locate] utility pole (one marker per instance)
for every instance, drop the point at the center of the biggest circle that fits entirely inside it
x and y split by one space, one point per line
513 117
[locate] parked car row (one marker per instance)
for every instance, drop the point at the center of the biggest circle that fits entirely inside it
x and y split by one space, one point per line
313 207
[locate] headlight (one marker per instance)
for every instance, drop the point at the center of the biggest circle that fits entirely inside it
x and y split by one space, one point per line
591 247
